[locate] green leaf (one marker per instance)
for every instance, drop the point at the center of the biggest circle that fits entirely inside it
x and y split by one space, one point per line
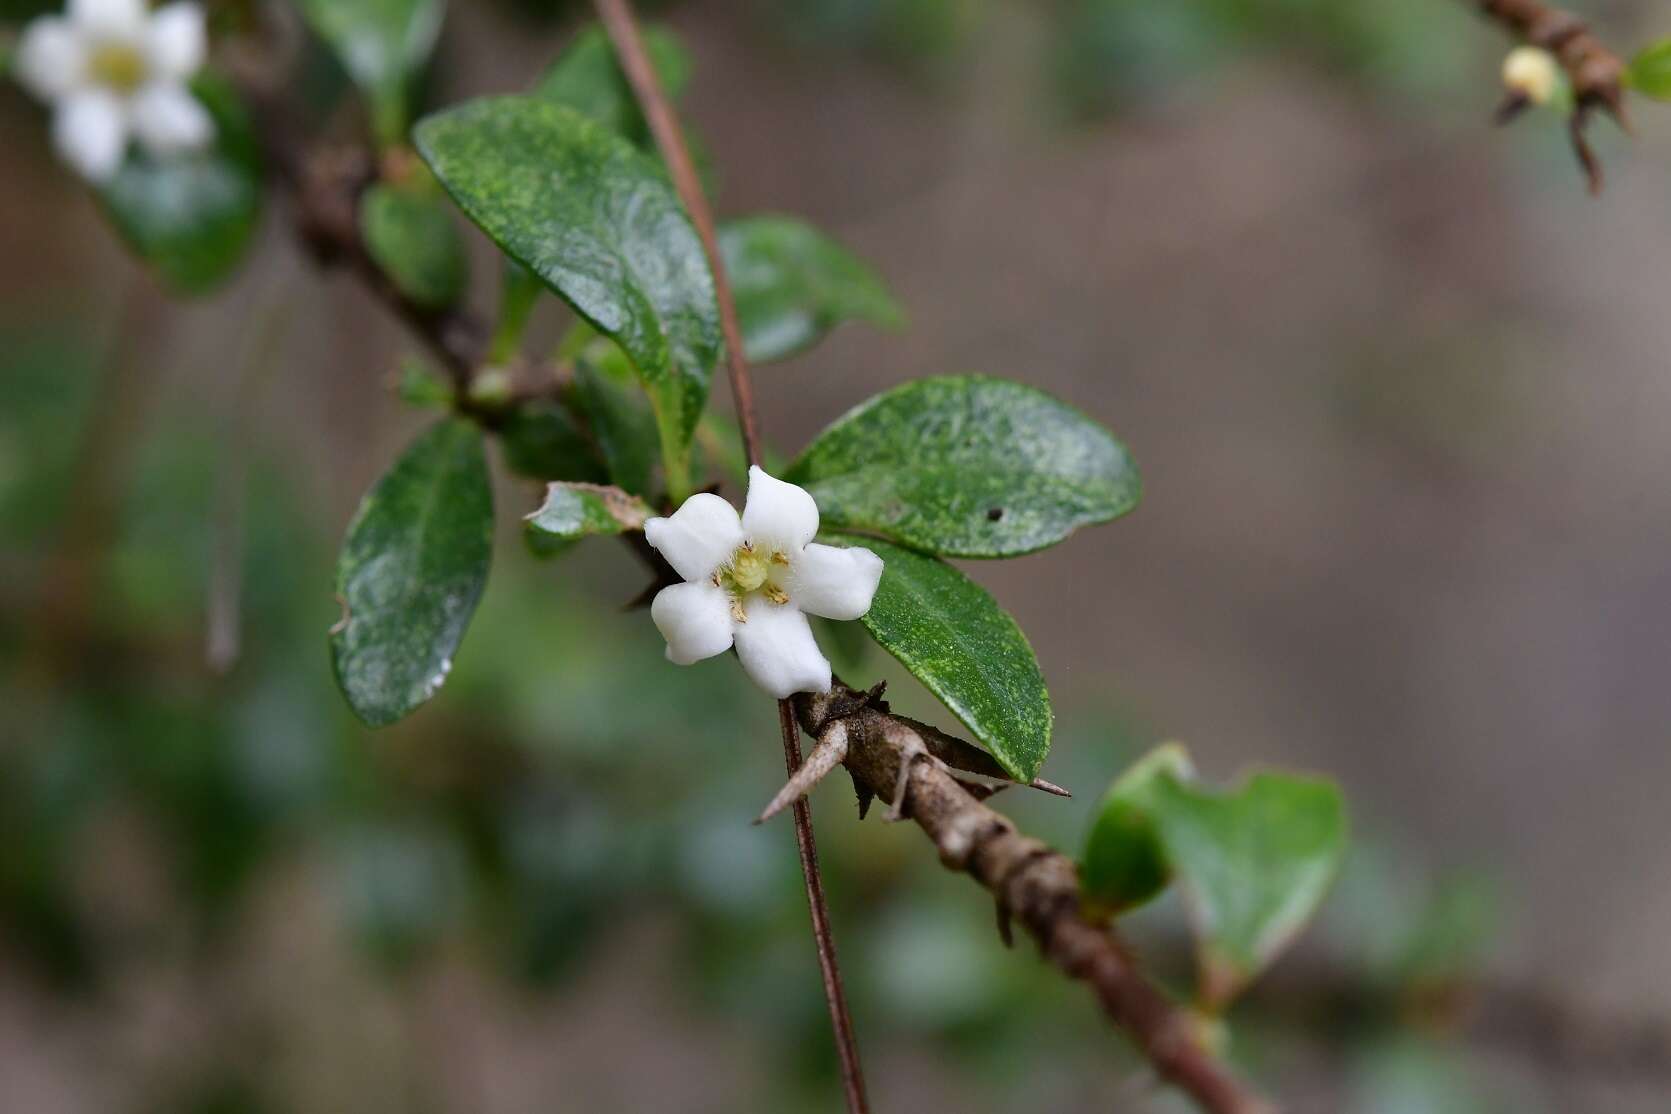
587 78
411 571
419 384
621 419
598 222
1650 71
572 511
542 441
956 640
1255 865
382 44
409 231
1125 864
192 216
793 285
967 466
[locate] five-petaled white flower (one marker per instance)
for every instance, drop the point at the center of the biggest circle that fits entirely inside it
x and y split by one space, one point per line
114 70
754 581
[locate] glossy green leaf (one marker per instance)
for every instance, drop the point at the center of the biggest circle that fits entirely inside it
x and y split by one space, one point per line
411 571
1255 865
542 441
793 285
1650 71
620 416
597 221
967 466
409 231
957 641
382 44
587 78
572 511
192 216
1125 864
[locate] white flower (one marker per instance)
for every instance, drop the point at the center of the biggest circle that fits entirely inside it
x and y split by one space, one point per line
114 70
754 581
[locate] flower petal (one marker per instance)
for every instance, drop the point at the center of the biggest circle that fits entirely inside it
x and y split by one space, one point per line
695 619
777 650
697 538
778 514
176 40
50 58
108 17
834 582
91 133
169 120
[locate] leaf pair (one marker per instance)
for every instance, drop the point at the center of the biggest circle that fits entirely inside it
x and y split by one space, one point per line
1254 864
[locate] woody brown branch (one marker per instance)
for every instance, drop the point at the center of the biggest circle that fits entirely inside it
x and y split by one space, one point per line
1597 75
1032 884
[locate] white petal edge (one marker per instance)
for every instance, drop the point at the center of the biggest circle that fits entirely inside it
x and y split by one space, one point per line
90 131
778 652
109 17
695 619
697 538
168 120
778 513
835 582
176 41
50 58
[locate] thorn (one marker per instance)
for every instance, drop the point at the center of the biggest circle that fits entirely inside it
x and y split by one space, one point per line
1581 147
826 755
864 795
1507 112
1006 923
1049 787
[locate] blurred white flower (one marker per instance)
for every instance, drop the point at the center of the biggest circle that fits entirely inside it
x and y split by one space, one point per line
115 70
753 581
1531 72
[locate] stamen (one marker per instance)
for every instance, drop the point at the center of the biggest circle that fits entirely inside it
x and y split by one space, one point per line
776 595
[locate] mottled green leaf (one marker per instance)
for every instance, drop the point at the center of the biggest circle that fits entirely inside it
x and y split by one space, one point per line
192 216
411 571
597 221
620 417
542 441
1255 865
409 231
572 511
793 285
1125 864
956 640
587 78
967 466
1650 71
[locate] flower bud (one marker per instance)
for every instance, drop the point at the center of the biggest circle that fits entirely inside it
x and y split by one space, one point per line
1531 72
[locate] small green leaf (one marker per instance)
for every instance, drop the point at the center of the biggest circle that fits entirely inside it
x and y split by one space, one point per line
1125 864
382 44
1650 71
409 231
419 384
1255 865
967 466
620 417
587 78
192 216
542 441
411 571
599 223
793 285
956 640
573 510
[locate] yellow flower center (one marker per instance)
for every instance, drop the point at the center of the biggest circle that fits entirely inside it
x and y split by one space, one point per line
750 571
117 65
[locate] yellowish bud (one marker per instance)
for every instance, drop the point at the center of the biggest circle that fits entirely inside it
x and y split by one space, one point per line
1531 72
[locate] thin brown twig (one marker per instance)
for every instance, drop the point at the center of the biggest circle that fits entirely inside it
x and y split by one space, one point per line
1033 884
622 28
1596 73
